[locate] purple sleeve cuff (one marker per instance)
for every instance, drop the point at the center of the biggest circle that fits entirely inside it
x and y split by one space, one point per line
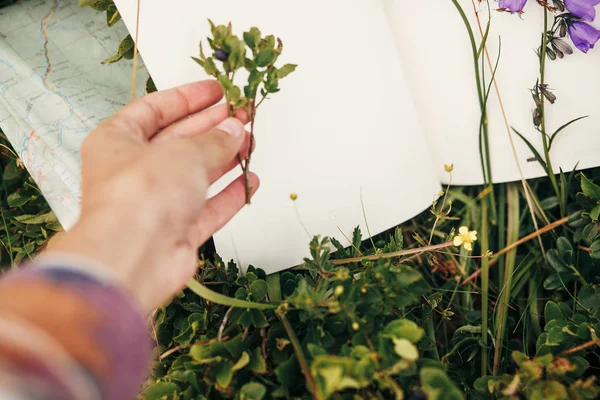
105 323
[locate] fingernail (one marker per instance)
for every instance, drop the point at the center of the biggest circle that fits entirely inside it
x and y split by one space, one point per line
232 126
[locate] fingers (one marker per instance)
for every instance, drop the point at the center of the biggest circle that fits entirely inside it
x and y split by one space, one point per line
214 175
199 123
215 150
221 208
149 114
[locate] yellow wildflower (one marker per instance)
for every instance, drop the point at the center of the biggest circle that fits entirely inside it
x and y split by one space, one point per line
294 196
465 238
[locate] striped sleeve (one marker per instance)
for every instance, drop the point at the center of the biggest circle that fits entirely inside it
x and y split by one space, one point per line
67 334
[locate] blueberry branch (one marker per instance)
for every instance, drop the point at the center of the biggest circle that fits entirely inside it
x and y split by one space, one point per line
232 53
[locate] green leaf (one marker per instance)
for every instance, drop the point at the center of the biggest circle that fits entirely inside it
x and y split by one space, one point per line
242 362
265 57
237 52
16 200
251 276
552 311
404 329
223 372
595 213
438 386
252 38
258 318
201 352
112 16
565 249
589 188
405 349
11 173
269 41
150 86
549 203
36 219
556 262
258 290
288 373
257 364
286 70
406 275
555 336
201 51
595 250
249 64
562 128
126 46
199 61
161 391
537 155
519 357
557 280
253 391
210 67
54 226
334 374
233 94
546 390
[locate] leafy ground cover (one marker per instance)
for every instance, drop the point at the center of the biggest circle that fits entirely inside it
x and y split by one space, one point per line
377 318
425 311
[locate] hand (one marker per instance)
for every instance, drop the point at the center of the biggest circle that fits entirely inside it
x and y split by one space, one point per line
145 177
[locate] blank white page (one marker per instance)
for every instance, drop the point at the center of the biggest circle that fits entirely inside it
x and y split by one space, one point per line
343 124
435 50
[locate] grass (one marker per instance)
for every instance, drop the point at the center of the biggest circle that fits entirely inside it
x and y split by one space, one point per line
500 299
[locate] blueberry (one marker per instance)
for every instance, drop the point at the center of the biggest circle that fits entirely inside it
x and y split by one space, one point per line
221 55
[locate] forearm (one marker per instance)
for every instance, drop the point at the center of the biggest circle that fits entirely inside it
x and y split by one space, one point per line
69 333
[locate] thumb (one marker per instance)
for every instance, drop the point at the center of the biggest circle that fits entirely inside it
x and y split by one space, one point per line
218 147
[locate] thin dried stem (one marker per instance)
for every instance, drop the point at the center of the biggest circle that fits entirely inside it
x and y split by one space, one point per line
519 242
135 52
508 130
400 253
579 348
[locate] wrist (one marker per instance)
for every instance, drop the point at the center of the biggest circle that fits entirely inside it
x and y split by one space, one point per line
111 242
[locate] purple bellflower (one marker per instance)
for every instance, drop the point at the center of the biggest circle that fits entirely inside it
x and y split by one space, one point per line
584 36
583 9
513 6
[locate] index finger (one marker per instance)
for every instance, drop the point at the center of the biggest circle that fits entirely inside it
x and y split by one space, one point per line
156 111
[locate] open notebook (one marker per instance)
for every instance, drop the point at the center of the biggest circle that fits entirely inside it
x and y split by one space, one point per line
383 97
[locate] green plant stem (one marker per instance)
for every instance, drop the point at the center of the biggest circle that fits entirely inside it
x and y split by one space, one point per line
312 386
534 314
543 112
512 194
10 250
485 276
218 298
464 265
274 287
431 334
484 148
501 233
